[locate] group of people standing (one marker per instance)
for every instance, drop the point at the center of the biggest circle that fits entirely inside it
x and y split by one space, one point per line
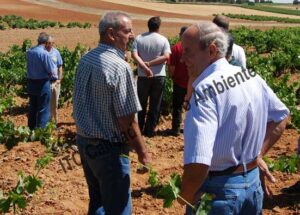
226 134
44 74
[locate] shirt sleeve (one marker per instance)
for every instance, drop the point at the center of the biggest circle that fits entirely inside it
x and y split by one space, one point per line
201 124
134 45
49 65
277 110
167 48
242 58
125 101
59 59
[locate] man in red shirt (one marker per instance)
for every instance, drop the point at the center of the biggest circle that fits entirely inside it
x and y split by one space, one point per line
179 75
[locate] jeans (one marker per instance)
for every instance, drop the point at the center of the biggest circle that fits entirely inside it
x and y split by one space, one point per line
235 194
39 103
178 100
153 88
108 177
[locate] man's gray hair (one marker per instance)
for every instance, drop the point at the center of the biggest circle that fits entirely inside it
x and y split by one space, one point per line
43 38
210 33
50 38
111 19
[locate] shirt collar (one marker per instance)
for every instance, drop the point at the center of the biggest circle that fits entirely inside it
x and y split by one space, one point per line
41 47
215 66
112 49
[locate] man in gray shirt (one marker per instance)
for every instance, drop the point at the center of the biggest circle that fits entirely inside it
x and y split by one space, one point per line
151 51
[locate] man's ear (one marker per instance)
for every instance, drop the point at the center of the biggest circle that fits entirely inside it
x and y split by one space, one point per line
110 34
213 51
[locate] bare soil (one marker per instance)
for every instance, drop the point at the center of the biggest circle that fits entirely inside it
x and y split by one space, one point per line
65 191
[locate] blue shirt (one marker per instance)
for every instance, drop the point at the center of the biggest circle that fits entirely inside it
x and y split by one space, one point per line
229 111
39 63
57 60
104 90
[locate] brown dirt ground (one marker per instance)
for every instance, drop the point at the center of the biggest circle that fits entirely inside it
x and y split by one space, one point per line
28 10
66 192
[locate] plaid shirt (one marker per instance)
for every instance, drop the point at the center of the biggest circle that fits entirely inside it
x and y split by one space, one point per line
104 90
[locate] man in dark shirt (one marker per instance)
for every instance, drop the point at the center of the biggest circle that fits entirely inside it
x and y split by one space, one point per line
179 75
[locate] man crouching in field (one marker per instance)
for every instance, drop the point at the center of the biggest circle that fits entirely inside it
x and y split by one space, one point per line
234 118
105 104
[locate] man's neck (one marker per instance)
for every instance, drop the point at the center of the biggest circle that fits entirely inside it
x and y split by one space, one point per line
153 31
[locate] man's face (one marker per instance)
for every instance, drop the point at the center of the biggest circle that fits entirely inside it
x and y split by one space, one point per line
49 44
124 34
195 58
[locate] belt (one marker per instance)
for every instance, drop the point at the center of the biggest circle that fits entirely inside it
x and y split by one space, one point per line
38 80
235 169
98 146
100 141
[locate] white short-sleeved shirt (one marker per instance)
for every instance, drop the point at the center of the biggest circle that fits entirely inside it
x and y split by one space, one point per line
149 46
239 55
226 122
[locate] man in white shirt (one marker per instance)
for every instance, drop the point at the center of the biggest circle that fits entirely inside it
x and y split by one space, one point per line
233 119
238 53
151 50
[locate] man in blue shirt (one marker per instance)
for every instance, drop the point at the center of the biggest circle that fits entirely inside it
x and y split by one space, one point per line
40 69
234 118
56 79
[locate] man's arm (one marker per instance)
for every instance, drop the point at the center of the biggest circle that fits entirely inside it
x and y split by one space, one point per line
158 60
273 133
142 64
130 128
193 177
171 70
49 65
59 75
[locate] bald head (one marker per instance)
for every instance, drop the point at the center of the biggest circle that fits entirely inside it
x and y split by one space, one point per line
112 19
203 44
206 33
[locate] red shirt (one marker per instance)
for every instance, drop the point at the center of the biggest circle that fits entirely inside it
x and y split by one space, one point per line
180 76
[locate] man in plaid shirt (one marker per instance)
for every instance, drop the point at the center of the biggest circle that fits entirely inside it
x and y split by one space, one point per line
105 105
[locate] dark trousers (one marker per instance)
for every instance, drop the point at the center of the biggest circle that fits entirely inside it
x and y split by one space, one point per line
39 103
107 173
178 100
150 88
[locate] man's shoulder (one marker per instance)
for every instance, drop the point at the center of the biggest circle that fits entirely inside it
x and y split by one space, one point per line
238 48
55 50
108 59
36 50
148 35
161 37
177 46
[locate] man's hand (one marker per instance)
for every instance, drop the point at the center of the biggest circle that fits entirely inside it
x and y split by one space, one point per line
57 82
193 177
265 173
144 158
148 72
